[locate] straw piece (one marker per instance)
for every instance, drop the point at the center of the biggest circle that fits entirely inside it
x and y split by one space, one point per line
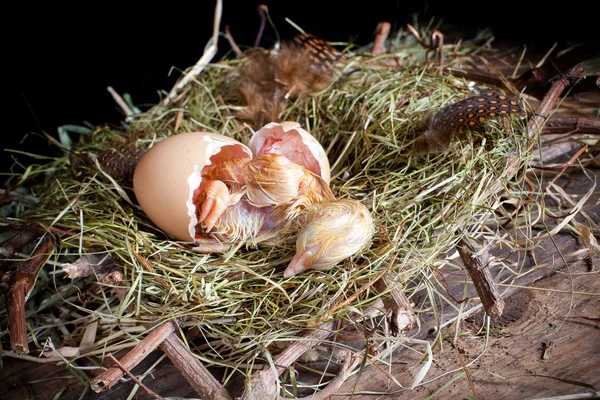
192 369
21 283
476 261
111 376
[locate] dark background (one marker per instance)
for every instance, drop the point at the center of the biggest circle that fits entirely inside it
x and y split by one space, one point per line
59 60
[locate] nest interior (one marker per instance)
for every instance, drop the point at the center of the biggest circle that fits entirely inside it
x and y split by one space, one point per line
111 273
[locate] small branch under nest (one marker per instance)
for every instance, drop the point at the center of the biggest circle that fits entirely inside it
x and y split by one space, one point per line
111 376
476 260
21 282
538 82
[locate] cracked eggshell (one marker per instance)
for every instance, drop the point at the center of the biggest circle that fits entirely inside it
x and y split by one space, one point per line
167 175
290 140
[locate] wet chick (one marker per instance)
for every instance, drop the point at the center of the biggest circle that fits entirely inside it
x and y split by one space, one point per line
268 79
471 112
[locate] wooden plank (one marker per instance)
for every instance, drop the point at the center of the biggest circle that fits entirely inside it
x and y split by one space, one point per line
545 331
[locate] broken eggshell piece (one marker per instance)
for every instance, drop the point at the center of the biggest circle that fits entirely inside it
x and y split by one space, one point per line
290 140
168 175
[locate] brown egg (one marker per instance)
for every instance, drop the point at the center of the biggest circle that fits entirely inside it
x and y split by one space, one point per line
167 175
290 140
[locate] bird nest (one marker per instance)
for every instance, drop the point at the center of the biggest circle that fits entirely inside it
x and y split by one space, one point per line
111 277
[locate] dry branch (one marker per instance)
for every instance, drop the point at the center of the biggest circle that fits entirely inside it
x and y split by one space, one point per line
24 235
192 369
21 282
572 125
476 261
398 312
537 82
382 32
111 376
549 102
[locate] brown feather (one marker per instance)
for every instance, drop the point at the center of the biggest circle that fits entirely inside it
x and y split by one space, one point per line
267 80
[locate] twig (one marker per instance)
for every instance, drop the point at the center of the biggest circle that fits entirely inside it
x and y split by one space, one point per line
111 376
263 384
476 260
466 369
232 42
263 21
572 125
417 36
133 378
21 282
25 234
568 163
382 32
549 102
437 40
208 55
192 369
399 313
536 81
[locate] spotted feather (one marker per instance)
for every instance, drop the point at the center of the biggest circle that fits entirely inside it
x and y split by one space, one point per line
474 111
322 55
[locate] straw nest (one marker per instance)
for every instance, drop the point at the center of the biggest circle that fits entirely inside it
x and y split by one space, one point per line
112 270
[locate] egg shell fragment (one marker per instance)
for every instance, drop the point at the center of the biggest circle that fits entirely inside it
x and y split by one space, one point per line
167 175
290 140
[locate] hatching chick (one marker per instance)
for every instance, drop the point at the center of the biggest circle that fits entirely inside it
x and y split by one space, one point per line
471 112
271 199
268 79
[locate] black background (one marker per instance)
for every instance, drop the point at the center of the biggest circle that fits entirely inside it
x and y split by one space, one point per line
59 59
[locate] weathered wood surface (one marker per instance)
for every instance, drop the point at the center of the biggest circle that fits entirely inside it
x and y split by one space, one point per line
548 335
545 331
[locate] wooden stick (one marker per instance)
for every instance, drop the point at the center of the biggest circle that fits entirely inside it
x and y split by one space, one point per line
399 313
21 282
232 43
535 81
437 39
25 235
476 261
262 13
111 376
263 384
542 113
549 102
382 32
133 378
572 125
203 382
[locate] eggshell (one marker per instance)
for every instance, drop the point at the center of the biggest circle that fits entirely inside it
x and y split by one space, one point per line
290 140
167 175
